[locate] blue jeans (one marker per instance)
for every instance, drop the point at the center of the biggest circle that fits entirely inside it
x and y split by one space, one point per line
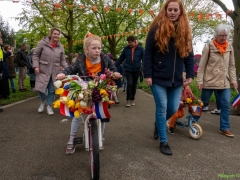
50 91
167 100
224 99
205 98
12 83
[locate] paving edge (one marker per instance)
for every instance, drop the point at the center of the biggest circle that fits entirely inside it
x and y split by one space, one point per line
19 102
145 93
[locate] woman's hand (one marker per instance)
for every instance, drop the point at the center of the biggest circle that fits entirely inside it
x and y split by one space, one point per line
60 76
36 69
117 75
148 81
235 85
199 86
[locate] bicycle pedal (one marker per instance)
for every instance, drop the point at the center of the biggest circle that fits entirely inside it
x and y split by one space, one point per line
78 140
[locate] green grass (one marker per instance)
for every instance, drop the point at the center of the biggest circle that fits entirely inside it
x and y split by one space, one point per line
18 96
193 87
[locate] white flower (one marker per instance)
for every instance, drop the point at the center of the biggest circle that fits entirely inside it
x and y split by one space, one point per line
80 96
58 84
83 104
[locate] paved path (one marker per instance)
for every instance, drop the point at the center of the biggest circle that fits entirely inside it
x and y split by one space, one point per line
32 147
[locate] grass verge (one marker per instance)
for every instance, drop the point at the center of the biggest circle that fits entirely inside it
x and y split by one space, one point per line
18 96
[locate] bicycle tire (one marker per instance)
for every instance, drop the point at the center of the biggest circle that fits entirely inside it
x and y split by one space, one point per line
94 152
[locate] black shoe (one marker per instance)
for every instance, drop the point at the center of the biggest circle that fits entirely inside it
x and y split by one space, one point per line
124 90
1 110
155 133
179 123
171 130
14 90
165 149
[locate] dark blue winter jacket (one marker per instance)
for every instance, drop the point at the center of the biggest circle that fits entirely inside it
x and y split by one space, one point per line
129 64
165 69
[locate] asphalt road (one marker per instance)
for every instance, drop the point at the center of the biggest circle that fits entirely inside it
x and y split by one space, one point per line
32 147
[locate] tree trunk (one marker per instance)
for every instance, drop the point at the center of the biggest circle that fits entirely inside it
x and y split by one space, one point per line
112 48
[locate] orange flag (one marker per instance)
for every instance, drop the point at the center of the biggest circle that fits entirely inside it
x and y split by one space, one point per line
208 16
130 11
94 8
141 11
151 12
119 9
107 8
200 17
57 5
192 14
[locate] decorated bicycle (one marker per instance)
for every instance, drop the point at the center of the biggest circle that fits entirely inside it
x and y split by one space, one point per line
194 106
88 100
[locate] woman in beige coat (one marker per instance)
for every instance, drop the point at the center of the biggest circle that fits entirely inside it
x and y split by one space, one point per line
217 72
47 59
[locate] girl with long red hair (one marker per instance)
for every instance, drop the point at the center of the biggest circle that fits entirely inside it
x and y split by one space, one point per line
168 50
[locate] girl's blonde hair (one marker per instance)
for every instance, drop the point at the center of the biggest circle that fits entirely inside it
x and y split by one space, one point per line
89 37
165 29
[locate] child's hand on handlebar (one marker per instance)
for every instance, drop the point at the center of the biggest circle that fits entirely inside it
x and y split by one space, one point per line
60 76
117 75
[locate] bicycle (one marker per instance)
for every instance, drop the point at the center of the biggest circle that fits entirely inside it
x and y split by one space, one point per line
191 121
92 134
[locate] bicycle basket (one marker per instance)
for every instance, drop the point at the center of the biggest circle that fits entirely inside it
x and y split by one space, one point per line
195 110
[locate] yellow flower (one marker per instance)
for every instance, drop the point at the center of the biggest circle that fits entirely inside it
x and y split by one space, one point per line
56 104
77 105
189 100
77 114
59 91
201 104
70 103
103 92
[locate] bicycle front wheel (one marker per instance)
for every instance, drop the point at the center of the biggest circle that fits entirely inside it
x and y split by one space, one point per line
94 151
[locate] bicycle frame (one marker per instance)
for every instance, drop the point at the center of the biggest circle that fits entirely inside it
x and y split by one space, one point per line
87 132
188 121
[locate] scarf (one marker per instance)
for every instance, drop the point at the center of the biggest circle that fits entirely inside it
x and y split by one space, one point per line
1 54
221 47
133 48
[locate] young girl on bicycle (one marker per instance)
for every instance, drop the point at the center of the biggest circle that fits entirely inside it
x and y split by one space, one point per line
90 63
186 93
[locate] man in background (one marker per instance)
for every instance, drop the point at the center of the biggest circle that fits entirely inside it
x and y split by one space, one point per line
132 56
23 64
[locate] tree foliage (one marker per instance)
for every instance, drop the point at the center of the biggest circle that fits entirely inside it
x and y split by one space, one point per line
7 32
76 18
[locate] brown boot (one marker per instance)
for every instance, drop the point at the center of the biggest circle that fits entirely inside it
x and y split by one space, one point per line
226 133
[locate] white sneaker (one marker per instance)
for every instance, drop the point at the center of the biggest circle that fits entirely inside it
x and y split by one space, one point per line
128 103
41 107
205 108
132 103
49 110
216 111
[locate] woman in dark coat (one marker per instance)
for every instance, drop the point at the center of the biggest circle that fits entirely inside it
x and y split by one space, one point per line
11 66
